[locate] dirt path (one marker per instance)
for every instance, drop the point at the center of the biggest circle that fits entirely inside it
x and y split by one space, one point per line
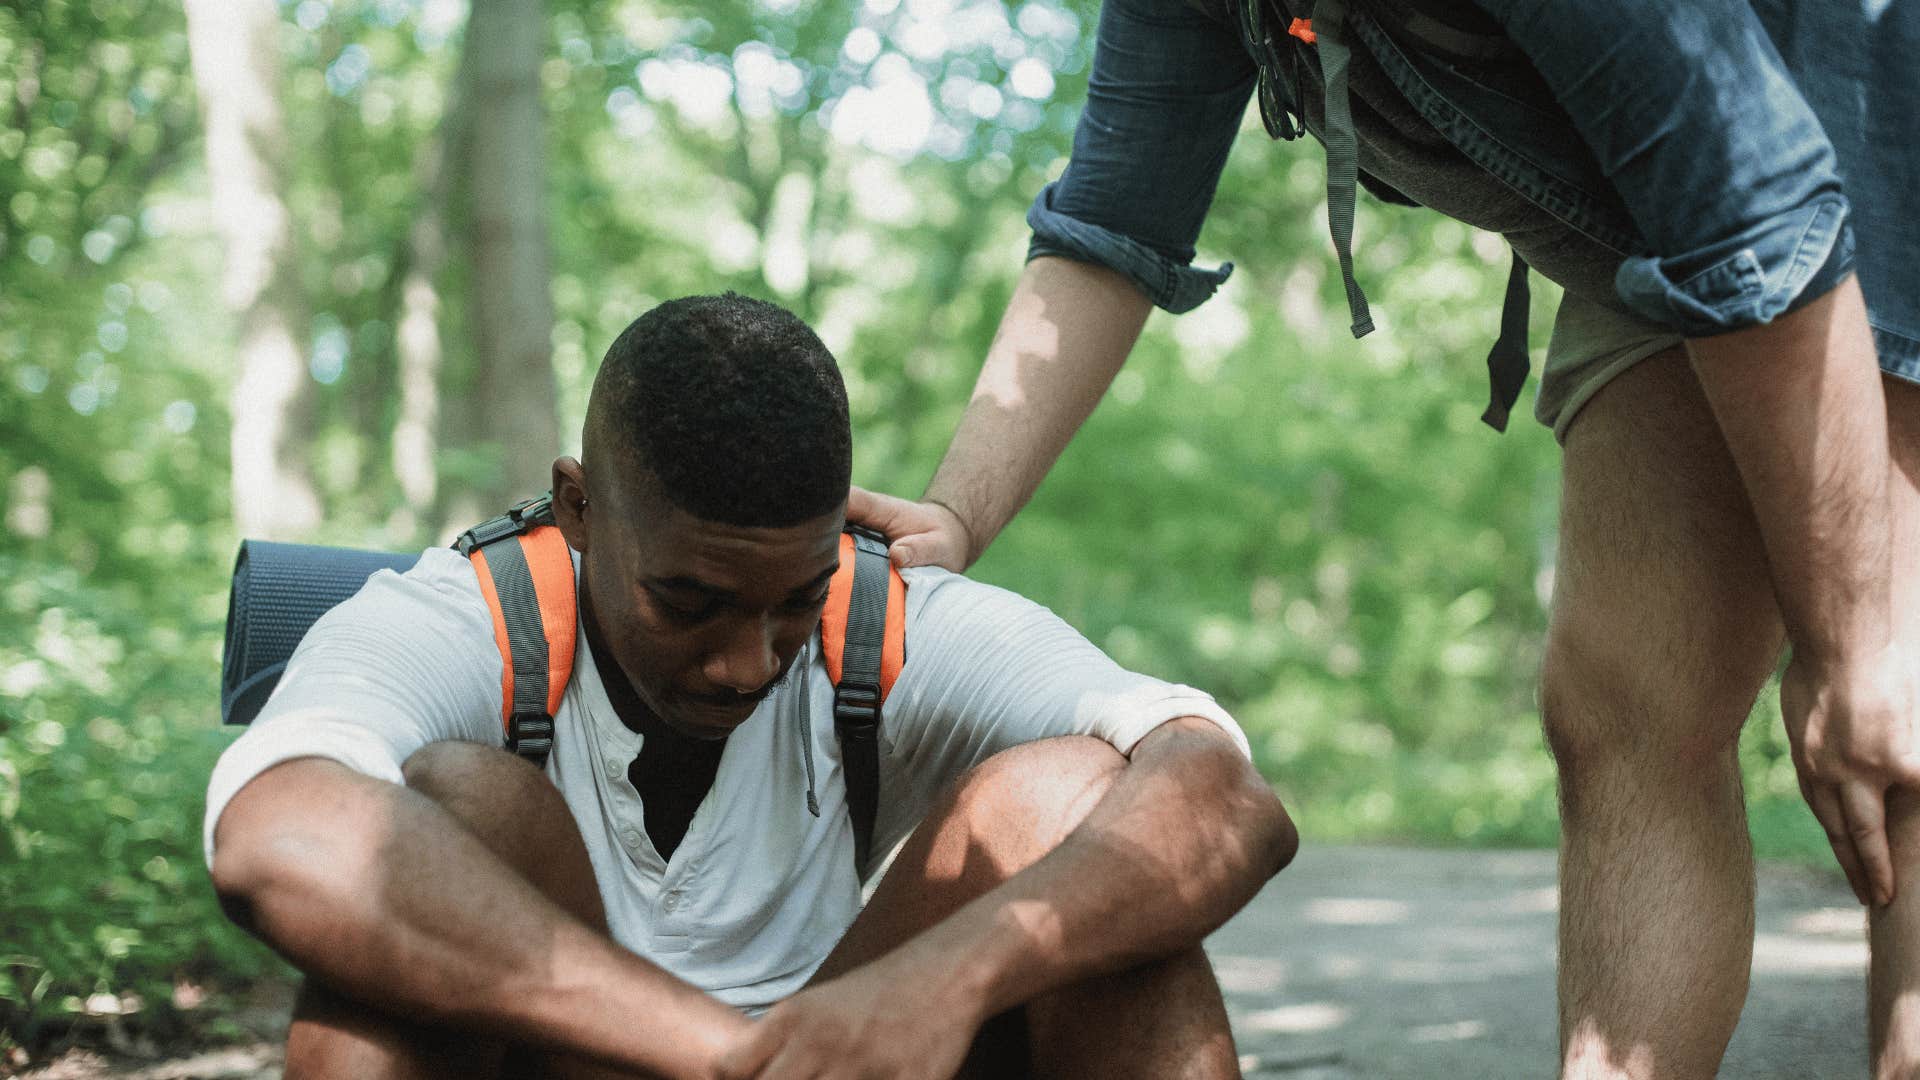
1386 963
1367 963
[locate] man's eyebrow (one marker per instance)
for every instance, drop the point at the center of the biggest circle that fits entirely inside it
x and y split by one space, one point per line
819 581
689 584
693 584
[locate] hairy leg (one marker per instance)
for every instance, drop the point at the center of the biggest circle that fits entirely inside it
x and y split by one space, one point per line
1663 631
511 808
1893 997
1164 1019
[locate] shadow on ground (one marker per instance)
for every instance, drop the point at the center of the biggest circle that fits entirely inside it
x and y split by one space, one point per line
1384 963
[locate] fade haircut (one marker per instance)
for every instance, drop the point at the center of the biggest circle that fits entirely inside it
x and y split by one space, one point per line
732 405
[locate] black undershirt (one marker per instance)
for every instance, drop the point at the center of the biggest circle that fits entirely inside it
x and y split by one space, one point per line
672 772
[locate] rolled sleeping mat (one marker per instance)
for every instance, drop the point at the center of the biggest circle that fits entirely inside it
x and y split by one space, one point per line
278 592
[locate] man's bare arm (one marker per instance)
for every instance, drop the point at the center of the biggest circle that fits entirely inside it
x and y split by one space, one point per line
381 894
1800 403
1065 333
1185 836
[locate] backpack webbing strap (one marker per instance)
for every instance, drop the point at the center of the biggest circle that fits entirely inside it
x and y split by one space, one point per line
1328 25
1508 362
526 577
863 642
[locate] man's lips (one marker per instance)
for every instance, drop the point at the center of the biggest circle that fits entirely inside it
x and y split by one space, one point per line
732 700
733 708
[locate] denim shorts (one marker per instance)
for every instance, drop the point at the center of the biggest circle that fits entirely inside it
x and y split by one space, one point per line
1592 343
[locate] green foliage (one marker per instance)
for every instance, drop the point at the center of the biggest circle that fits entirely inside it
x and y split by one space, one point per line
1317 530
104 753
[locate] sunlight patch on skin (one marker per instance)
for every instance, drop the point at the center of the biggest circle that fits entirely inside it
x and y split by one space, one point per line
1903 1020
1589 1057
1297 1019
1355 911
1000 383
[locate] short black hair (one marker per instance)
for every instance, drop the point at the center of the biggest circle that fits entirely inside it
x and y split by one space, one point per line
733 405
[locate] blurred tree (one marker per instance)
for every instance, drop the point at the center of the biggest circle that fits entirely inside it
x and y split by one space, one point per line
503 176
236 63
418 344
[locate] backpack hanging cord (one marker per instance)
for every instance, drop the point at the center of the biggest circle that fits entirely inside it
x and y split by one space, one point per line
1327 31
803 721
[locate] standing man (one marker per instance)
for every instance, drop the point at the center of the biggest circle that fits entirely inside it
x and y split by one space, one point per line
1718 187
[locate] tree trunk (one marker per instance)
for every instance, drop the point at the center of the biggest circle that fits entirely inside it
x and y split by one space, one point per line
416 429
510 307
235 50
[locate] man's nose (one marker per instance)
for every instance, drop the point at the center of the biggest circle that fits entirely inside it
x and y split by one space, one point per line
745 660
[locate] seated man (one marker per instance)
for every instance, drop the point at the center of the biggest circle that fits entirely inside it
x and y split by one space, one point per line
675 894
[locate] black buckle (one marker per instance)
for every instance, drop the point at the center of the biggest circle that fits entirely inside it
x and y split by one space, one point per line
519 519
530 735
856 708
538 510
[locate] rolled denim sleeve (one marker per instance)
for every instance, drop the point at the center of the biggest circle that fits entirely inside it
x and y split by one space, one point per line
1164 100
1722 164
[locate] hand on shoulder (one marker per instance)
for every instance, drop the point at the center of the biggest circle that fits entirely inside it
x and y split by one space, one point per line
922 533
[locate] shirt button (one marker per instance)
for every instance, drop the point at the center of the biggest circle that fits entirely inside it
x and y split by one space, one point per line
631 836
673 902
613 769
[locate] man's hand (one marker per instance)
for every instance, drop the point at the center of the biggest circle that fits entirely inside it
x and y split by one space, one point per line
1850 726
866 1023
1800 404
923 533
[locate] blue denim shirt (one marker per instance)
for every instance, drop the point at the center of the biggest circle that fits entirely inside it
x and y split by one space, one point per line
1678 138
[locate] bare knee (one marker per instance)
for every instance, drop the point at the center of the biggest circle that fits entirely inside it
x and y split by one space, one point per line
515 811
331 1035
1021 803
459 774
1652 701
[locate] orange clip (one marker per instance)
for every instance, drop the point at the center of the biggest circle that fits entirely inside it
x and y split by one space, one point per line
1303 29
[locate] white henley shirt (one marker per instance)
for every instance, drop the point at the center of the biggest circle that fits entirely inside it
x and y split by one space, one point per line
759 890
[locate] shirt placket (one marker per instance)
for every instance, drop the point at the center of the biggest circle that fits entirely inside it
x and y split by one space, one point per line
675 924
614 748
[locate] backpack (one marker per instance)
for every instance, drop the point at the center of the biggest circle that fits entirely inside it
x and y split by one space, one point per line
526 576
280 590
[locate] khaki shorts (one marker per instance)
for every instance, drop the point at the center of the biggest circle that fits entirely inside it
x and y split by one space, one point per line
1591 344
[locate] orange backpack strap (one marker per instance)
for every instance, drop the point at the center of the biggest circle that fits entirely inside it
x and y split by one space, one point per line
526 576
890 644
863 641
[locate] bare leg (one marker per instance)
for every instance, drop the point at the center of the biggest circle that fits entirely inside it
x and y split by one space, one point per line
520 817
1893 995
1164 1019
1663 631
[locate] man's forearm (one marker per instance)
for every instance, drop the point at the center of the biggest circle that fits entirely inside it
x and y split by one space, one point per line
1066 331
382 895
1800 404
1187 834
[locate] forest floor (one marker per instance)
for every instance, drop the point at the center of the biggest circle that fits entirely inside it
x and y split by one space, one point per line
1385 963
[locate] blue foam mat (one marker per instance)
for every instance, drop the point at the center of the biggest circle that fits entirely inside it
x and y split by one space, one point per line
278 592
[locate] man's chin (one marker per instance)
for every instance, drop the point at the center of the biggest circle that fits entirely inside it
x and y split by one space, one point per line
697 720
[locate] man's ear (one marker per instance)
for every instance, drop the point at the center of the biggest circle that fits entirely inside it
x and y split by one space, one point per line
570 501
